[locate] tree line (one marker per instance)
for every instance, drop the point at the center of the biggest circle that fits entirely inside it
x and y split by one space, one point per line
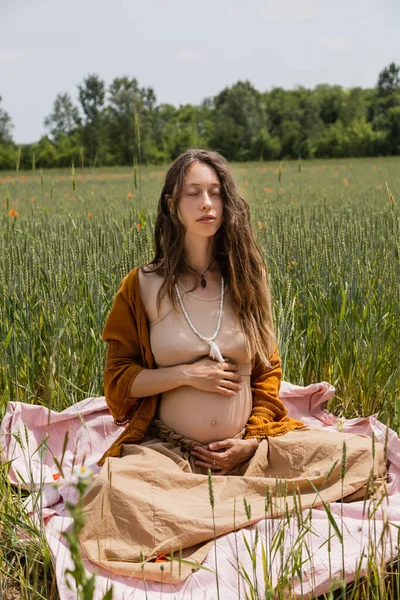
122 124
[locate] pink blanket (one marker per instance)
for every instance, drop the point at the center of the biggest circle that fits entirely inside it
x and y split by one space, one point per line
31 436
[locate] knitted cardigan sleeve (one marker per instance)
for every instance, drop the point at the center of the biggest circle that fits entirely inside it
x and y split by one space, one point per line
126 355
269 415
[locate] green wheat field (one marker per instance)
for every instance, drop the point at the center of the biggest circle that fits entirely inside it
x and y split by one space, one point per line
330 232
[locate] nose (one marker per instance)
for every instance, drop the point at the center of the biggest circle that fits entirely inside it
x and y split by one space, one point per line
206 200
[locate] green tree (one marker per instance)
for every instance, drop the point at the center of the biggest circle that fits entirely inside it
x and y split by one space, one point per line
292 138
239 113
92 95
378 109
394 130
389 79
361 138
240 122
64 118
127 99
185 127
338 140
331 99
69 149
353 106
334 141
6 126
164 115
7 156
293 117
281 105
264 146
45 153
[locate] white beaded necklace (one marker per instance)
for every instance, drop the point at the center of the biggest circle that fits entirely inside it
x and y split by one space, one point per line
215 352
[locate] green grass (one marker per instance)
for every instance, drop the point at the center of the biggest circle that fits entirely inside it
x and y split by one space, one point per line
330 234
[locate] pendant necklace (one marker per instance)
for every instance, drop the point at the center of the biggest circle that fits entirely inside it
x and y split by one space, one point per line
215 352
203 281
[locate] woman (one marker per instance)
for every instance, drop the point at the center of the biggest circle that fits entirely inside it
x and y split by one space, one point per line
193 370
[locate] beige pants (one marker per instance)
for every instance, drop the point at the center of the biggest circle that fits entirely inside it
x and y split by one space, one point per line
154 501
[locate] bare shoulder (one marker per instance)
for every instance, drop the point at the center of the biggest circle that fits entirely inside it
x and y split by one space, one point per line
149 283
146 274
147 268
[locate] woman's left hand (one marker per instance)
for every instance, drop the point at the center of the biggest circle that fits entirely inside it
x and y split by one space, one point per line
222 457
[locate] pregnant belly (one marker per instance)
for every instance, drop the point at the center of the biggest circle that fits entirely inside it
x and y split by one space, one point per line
203 416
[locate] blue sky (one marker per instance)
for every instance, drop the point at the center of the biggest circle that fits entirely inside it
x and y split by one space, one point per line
187 51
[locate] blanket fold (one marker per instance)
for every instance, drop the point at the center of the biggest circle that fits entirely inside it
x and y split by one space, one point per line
91 430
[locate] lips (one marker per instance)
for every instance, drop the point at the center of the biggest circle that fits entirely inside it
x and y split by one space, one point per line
207 218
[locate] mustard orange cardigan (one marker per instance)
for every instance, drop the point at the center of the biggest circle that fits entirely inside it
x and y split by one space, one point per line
127 335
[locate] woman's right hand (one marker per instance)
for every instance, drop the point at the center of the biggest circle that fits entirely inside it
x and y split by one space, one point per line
210 376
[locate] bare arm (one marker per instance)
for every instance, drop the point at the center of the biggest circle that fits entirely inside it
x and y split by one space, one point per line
204 374
154 381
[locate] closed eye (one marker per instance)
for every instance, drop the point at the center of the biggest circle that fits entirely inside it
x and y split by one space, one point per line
196 193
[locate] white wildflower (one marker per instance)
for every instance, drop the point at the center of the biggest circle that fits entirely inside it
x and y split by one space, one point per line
81 473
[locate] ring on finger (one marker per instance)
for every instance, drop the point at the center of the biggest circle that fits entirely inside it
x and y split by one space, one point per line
215 464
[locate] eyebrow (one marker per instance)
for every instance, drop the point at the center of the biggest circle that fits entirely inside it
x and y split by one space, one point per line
199 184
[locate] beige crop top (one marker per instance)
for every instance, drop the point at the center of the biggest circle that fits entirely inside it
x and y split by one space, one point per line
199 415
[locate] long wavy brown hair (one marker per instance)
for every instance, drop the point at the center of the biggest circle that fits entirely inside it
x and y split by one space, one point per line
239 258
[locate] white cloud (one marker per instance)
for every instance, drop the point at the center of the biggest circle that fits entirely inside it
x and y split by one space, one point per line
289 11
335 44
191 55
11 54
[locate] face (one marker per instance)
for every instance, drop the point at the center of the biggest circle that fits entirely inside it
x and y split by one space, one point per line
201 197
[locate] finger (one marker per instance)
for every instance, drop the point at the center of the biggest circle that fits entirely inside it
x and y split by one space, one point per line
216 458
231 376
228 366
223 472
207 455
225 391
198 454
220 445
231 385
